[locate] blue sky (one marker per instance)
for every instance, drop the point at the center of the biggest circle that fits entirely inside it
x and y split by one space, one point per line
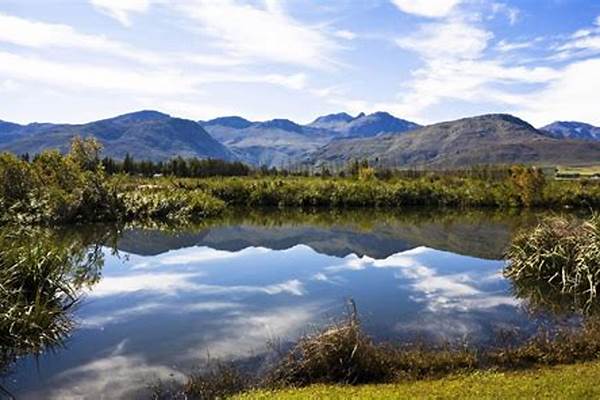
423 60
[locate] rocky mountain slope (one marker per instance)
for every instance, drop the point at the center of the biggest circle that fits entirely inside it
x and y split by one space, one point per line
486 139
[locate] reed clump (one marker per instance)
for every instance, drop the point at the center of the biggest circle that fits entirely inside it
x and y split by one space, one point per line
560 255
40 282
342 353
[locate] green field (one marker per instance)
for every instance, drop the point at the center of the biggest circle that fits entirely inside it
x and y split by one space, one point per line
566 382
583 171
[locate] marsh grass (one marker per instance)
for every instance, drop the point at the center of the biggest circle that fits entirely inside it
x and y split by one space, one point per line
558 259
40 285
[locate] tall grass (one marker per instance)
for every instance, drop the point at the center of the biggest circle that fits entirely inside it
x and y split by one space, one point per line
561 258
40 283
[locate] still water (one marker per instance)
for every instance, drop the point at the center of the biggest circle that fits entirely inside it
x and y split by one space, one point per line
167 299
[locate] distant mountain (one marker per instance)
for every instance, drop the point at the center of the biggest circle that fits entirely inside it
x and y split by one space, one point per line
281 142
230 122
572 130
374 124
145 135
487 139
277 142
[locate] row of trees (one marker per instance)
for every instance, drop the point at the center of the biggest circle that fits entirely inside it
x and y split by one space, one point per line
179 166
357 169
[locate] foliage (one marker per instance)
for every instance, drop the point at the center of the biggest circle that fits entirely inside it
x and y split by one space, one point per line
179 206
56 188
529 183
560 255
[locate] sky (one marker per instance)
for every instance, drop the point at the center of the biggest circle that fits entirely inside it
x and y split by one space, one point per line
422 60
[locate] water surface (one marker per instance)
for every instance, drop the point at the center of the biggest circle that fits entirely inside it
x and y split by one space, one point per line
169 298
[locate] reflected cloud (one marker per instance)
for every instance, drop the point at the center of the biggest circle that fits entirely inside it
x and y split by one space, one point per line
170 284
126 314
196 255
249 333
163 283
460 291
115 376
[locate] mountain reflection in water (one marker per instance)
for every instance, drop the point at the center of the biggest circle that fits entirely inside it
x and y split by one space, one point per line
167 299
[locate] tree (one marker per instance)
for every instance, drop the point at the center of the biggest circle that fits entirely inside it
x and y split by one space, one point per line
85 153
529 182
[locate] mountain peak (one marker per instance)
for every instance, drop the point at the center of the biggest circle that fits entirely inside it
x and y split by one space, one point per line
230 122
337 117
283 124
140 116
379 122
572 130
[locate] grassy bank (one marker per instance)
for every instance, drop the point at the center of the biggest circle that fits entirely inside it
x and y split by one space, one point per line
565 382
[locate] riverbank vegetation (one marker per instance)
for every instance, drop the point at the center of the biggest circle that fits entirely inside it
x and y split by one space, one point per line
77 187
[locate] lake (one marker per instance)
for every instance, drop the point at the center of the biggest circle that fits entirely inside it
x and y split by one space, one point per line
165 299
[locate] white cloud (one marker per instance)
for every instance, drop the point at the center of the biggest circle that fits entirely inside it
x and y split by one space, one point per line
511 13
121 9
456 66
427 8
505 46
453 39
573 95
260 33
79 76
345 34
40 35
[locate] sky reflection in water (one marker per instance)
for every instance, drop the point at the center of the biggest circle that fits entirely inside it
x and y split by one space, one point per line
156 313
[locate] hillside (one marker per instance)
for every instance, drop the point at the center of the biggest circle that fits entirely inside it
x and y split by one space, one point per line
145 135
486 139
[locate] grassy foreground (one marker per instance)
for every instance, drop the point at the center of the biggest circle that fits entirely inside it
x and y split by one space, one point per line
577 381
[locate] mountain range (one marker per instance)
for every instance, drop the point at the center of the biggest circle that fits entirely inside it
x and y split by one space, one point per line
330 139
281 142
